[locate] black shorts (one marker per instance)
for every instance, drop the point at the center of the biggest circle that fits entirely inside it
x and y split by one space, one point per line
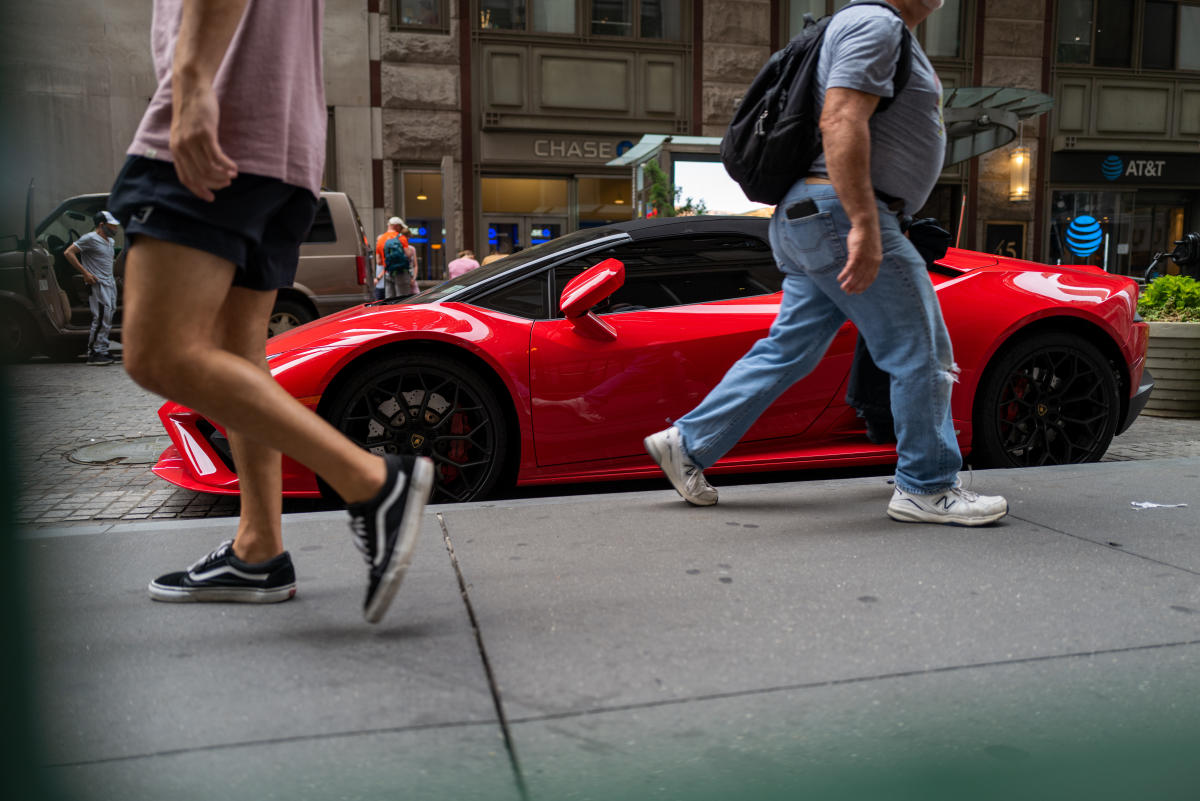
258 223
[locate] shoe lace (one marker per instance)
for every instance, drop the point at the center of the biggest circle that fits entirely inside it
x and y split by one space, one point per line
965 492
212 557
362 537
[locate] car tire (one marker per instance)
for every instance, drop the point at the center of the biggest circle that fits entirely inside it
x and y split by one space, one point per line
1049 399
429 405
288 314
18 339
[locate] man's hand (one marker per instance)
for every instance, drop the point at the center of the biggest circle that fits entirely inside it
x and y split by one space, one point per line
89 279
199 161
865 252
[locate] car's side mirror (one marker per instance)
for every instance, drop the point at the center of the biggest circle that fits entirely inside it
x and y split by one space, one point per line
586 290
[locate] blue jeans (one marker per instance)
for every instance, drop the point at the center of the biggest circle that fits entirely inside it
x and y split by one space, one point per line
898 316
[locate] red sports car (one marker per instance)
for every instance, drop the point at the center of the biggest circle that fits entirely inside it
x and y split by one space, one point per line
551 365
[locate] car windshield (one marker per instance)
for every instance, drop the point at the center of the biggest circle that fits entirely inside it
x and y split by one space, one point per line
526 256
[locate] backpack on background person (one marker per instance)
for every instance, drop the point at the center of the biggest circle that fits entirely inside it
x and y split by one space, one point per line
395 260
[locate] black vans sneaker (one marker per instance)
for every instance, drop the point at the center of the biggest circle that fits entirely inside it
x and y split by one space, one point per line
385 529
221 576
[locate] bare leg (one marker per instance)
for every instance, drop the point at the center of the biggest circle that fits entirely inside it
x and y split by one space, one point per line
242 330
174 296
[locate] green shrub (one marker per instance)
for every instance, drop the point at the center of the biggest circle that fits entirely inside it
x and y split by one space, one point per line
1171 298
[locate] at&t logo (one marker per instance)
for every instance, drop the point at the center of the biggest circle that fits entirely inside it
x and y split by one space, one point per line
1112 168
1084 236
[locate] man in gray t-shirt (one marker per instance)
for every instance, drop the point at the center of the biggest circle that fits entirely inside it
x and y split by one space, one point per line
92 255
836 237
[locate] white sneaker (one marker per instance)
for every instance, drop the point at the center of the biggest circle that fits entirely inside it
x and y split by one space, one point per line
666 448
956 506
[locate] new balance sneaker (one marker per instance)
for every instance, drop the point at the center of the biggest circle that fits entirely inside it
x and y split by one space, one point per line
666 448
385 529
221 576
956 506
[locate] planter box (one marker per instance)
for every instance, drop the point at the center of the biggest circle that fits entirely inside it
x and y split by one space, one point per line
1173 356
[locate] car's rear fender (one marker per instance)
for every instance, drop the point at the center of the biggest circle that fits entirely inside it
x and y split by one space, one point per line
1128 372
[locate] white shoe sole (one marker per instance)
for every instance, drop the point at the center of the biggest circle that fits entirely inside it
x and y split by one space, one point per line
420 487
661 455
244 595
917 516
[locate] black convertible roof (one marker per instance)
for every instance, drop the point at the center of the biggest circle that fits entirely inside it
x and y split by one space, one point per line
683 226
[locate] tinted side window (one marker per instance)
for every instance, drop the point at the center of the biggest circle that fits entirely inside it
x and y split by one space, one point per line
322 228
681 271
526 298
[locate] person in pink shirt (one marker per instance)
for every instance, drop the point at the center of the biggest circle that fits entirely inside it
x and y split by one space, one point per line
219 189
464 263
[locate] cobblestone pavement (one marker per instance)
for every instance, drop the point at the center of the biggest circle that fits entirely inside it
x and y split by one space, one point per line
59 408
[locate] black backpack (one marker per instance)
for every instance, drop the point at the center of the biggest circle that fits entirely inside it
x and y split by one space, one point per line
775 135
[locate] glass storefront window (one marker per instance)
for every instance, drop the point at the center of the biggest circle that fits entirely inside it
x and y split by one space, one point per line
941 31
1074 32
554 16
612 17
1117 231
418 14
547 196
1189 31
502 15
604 200
420 194
1158 36
1086 228
662 19
1114 21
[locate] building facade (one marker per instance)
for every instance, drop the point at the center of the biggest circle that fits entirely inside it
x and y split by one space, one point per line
489 124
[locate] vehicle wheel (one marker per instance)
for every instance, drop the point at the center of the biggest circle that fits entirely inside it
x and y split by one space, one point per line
1050 399
288 314
431 406
18 340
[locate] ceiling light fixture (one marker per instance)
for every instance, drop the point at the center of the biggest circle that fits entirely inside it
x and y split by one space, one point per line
421 190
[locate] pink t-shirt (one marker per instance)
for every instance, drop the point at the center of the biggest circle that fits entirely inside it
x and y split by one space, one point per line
459 266
270 88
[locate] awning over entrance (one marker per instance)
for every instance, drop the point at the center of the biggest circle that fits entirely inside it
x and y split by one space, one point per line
983 118
978 119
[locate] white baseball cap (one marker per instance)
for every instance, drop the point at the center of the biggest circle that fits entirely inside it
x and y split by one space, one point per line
397 221
104 215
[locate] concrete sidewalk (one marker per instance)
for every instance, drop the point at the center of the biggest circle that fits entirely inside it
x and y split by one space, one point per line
791 641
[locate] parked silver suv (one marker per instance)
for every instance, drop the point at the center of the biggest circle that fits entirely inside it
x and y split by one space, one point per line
44 301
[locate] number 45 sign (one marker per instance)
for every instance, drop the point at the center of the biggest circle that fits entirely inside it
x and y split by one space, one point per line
1005 239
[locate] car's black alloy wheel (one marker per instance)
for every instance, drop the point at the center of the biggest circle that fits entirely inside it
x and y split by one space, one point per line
1050 399
430 406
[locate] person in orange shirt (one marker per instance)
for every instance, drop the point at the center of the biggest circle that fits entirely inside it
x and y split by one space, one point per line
396 227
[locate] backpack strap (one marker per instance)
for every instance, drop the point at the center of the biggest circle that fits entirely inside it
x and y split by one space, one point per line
903 62
903 71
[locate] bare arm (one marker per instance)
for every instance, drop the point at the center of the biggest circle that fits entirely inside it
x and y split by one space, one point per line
847 140
206 29
72 256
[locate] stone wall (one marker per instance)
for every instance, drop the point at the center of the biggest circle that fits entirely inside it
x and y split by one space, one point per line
75 79
737 42
422 110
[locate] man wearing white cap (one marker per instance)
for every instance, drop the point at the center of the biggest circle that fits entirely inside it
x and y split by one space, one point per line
389 282
92 255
